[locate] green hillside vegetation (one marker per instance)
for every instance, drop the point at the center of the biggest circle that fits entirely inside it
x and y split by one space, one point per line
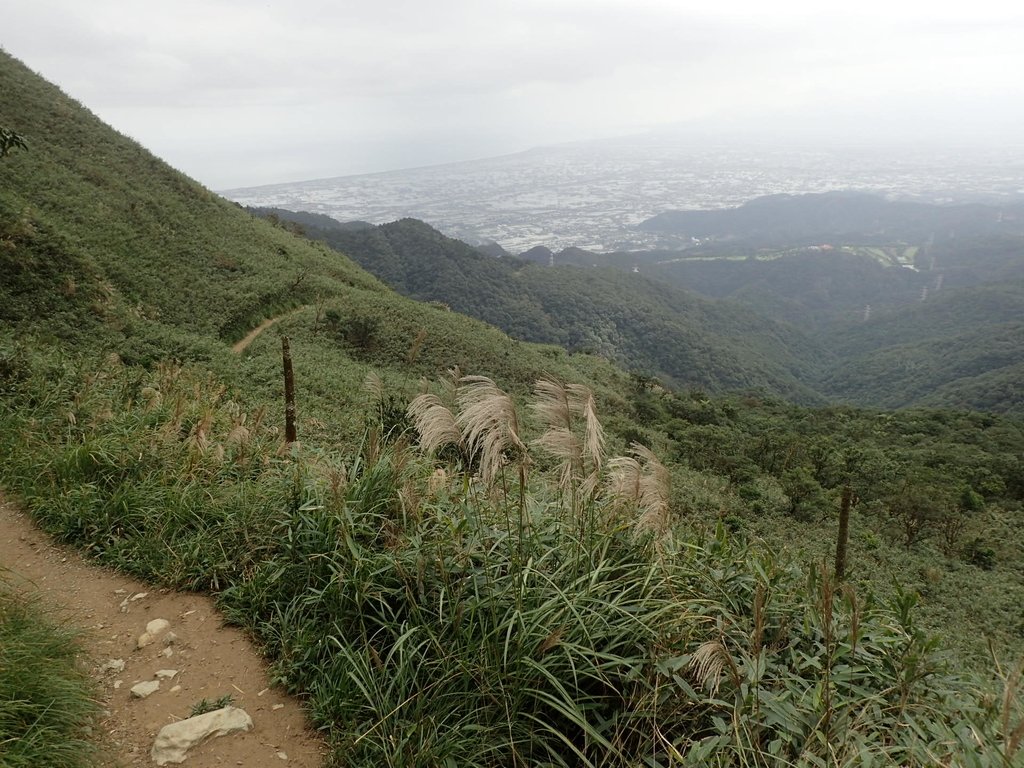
811 289
959 348
47 707
563 564
962 348
676 336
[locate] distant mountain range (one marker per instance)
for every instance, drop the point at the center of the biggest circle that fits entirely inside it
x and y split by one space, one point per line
794 220
592 195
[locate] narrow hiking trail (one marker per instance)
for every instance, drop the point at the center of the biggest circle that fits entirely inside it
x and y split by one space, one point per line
242 344
211 660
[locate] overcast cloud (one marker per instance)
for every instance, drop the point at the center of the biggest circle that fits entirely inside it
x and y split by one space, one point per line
239 93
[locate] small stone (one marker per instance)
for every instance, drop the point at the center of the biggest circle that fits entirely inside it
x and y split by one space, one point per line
120 591
154 629
139 596
277 707
118 684
282 755
113 665
176 689
166 674
170 638
142 690
157 627
167 652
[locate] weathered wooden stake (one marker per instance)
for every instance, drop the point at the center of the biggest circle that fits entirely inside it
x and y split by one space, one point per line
289 392
844 532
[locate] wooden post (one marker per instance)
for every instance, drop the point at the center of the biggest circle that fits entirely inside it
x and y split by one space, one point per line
844 532
289 392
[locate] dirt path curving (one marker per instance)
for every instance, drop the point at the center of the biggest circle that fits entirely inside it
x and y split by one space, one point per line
211 660
240 346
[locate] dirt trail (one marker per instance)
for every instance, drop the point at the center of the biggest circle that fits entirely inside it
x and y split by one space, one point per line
212 660
240 346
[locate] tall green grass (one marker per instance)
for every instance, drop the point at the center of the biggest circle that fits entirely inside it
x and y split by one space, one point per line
47 706
450 623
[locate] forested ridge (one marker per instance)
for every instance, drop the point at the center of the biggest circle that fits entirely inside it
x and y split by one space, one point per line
846 323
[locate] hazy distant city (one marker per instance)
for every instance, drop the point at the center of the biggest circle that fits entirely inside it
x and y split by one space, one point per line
592 195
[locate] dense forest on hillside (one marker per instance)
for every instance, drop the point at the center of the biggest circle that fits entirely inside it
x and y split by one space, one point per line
830 325
686 340
483 551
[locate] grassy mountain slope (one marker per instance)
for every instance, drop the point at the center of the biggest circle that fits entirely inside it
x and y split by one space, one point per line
438 616
106 246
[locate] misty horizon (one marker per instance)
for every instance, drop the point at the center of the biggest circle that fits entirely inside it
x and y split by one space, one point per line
239 96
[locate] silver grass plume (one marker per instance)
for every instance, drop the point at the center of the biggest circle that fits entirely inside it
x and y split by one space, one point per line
434 422
554 411
489 424
707 664
560 408
643 481
624 475
373 385
582 401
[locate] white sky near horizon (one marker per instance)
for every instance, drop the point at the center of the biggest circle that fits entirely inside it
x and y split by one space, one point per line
239 93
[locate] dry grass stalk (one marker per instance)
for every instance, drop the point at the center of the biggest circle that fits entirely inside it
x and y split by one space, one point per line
708 663
624 474
435 423
1012 735
565 447
199 439
239 434
642 481
557 407
373 385
437 481
654 493
450 381
582 400
489 424
553 409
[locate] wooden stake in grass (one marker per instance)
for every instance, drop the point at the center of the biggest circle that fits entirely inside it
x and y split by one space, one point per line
844 532
289 392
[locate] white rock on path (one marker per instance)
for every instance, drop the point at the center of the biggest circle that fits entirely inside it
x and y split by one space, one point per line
142 690
176 739
154 629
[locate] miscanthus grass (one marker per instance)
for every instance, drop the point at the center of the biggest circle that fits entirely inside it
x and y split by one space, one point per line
463 618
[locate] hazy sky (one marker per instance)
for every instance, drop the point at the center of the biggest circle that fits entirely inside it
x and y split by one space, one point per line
241 92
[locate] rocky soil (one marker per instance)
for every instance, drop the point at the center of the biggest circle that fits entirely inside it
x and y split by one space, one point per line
194 657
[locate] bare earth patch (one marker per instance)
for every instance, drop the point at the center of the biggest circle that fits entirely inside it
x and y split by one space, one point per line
211 660
243 344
